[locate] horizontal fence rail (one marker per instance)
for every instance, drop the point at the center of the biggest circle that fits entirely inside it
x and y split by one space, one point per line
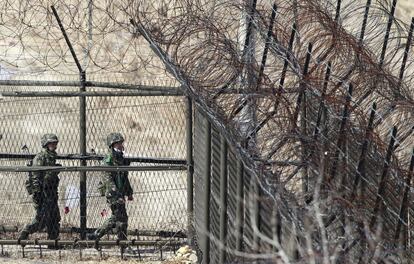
89 243
91 94
136 232
95 157
135 87
90 168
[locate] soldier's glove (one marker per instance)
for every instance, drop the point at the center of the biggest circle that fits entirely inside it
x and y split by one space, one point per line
130 198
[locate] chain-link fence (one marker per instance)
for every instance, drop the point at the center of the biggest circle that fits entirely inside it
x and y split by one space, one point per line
297 157
90 83
154 129
303 138
239 217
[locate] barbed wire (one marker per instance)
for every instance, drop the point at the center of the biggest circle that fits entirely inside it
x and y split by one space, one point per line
293 108
213 47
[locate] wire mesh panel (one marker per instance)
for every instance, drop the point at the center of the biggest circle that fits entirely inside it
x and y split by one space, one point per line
153 127
299 118
159 202
233 202
24 120
215 204
201 189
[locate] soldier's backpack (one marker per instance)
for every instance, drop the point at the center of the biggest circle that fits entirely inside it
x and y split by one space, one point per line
29 179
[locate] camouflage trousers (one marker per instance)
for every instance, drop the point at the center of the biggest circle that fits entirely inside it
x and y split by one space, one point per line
47 216
118 220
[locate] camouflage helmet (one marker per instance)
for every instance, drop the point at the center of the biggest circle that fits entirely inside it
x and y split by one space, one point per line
114 138
48 138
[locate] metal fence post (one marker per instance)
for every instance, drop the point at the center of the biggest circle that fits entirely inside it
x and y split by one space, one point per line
223 199
341 134
255 211
378 208
404 204
361 170
206 198
190 170
240 208
387 32
82 126
82 145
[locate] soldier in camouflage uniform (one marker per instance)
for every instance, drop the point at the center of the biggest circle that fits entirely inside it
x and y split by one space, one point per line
43 186
115 187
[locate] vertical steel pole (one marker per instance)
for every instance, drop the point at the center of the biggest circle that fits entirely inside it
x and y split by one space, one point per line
387 33
301 105
338 10
279 91
405 201
384 45
364 22
223 199
360 175
190 169
206 198
341 133
378 208
82 126
82 145
254 200
248 57
267 43
302 85
406 52
239 206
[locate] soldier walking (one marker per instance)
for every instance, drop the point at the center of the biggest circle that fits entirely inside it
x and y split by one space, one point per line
43 187
115 187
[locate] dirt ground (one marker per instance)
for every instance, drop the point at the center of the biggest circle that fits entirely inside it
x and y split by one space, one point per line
88 256
108 255
108 261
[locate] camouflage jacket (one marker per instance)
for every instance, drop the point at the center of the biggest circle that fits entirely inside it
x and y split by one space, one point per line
116 183
46 182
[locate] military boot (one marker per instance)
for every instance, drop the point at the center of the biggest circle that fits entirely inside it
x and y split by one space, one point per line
121 230
94 236
54 247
